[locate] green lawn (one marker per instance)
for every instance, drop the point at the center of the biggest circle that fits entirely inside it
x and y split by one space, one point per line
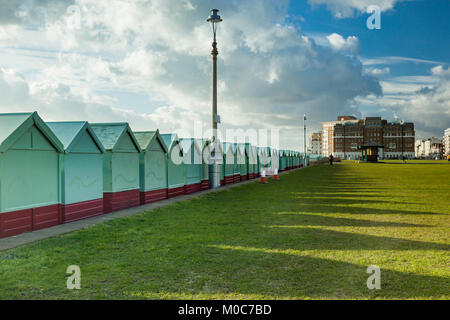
311 235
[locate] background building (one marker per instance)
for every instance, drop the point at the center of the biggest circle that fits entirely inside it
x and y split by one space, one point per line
327 133
315 143
433 147
446 142
345 137
419 147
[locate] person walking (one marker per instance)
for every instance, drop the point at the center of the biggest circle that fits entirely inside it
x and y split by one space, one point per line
331 159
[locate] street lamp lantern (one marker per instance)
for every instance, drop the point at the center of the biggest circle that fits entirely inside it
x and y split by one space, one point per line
214 19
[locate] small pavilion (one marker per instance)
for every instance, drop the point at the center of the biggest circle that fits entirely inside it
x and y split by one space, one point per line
369 151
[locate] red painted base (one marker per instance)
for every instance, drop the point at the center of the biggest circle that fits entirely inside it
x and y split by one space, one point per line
153 196
175 192
229 180
236 178
204 185
82 210
115 201
244 178
222 182
192 188
16 222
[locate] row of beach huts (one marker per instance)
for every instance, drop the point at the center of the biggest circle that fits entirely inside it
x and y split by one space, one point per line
58 172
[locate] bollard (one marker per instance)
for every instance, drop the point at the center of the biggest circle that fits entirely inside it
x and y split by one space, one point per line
275 174
263 175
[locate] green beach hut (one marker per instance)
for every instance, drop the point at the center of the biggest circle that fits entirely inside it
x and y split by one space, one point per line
243 161
237 162
81 170
229 160
252 160
152 166
176 169
121 188
205 147
275 161
193 164
30 179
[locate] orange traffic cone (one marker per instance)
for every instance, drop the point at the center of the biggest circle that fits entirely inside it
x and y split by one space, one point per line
262 179
275 174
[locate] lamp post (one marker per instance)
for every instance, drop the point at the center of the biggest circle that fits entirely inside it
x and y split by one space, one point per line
214 19
304 140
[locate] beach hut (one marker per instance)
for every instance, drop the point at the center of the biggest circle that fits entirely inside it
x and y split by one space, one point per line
152 166
176 169
238 158
121 188
193 164
291 160
256 164
252 161
243 162
261 159
296 160
282 160
229 160
267 154
81 170
205 147
29 174
275 159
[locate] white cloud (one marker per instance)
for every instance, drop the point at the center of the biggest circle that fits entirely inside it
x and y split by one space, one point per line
348 8
339 43
394 60
376 72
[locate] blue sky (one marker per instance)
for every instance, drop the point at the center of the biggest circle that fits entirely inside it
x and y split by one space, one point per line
416 29
148 63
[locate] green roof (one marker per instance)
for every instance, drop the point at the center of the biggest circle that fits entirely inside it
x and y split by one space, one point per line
9 123
145 138
110 133
170 139
69 131
13 126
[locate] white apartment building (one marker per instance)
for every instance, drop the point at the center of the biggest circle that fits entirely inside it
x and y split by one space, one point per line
419 148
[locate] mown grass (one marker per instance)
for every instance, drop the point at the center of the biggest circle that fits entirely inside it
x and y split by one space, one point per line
311 235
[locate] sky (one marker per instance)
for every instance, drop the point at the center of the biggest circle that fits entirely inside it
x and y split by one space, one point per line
149 63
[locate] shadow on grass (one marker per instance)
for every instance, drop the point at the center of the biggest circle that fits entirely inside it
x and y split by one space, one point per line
249 272
302 238
343 201
307 207
319 220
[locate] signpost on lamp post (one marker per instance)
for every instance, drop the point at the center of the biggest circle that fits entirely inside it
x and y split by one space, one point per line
214 19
